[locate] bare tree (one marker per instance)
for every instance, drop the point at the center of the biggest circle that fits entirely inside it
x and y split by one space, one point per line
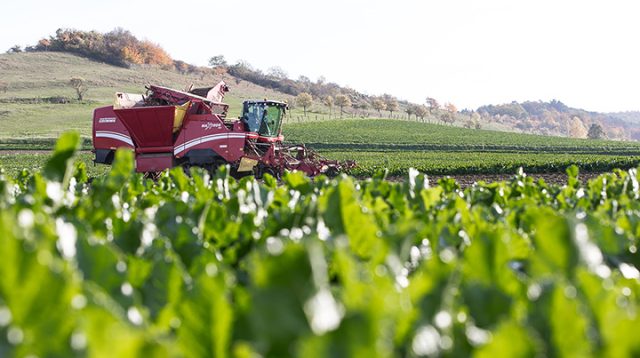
342 101
304 100
328 101
362 106
277 73
15 49
446 117
475 119
79 84
450 115
392 105
451 108
379 105
421 112
305 83
433 105
409 110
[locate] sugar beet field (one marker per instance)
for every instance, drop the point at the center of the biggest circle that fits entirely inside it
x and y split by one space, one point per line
396 146
203 265
529 250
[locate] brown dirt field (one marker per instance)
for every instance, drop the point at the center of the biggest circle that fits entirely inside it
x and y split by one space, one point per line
466 180
551 178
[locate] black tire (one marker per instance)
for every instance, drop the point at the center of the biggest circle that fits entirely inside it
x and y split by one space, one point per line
152 175
186 168
273 172
332 172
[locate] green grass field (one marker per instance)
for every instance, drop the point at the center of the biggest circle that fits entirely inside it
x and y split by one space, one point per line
387 134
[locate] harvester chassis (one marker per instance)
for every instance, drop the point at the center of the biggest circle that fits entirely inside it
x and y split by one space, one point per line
169 128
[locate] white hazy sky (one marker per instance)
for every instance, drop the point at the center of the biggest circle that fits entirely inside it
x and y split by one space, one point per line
469 52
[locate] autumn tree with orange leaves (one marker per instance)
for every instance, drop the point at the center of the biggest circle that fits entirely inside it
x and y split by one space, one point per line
118 47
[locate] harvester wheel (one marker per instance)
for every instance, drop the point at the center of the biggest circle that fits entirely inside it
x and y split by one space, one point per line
260 170
271 171
186 168
152 175
332 172
212 168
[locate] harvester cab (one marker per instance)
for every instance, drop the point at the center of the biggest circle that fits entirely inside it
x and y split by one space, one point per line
263 117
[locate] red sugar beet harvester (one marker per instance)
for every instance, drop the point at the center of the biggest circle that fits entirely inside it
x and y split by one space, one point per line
168 128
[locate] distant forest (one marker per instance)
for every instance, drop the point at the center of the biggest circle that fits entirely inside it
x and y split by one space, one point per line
554 117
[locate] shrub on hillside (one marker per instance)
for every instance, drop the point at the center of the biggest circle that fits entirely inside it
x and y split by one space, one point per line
118 47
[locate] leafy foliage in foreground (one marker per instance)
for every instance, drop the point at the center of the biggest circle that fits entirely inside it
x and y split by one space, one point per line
199 266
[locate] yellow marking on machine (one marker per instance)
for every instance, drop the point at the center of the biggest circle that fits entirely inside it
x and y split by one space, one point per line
247 164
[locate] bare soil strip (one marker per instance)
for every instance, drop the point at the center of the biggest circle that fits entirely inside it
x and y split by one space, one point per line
464 180
550 178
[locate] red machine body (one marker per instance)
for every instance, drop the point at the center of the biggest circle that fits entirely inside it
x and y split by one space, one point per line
168 128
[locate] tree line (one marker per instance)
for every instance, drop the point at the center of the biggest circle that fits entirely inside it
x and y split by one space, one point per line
553 117
332 95
448 113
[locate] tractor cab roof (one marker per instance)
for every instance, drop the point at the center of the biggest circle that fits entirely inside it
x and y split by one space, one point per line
268 102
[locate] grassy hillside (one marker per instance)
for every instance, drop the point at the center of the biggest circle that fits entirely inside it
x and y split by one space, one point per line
33 76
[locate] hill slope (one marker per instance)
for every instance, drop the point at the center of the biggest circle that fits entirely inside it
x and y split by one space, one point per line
31 78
